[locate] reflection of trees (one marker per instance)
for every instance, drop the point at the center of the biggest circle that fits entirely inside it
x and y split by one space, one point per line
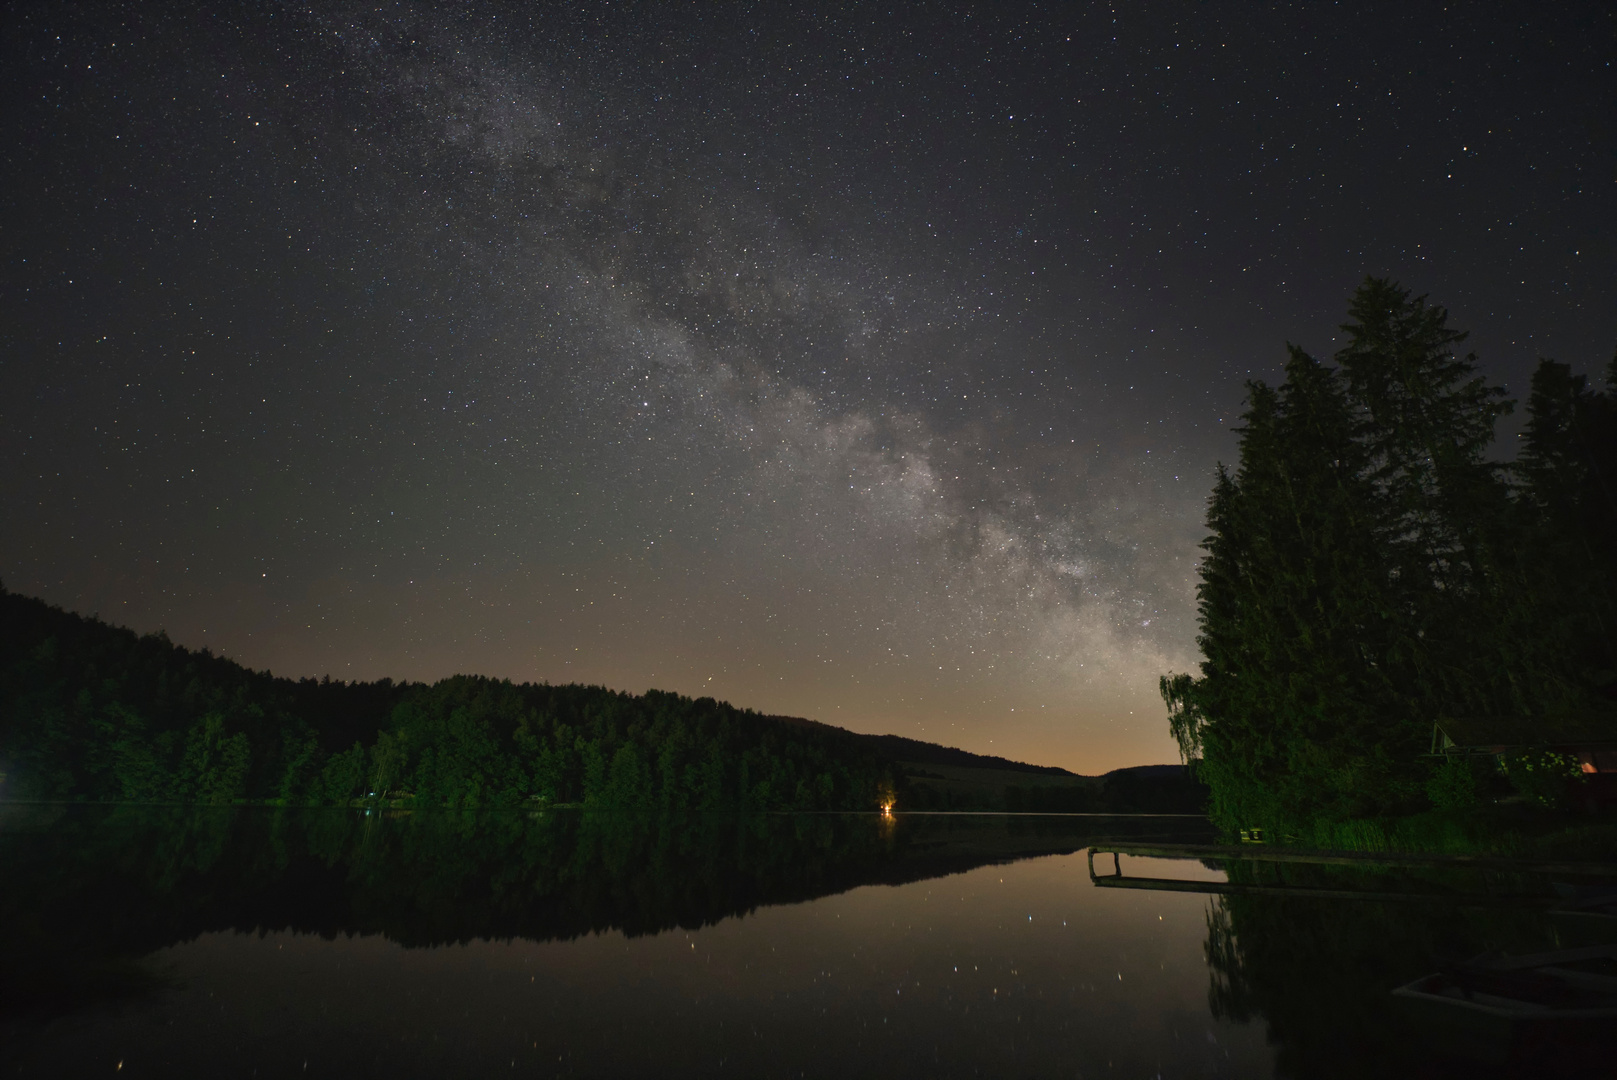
88 889
1230 994
1320 972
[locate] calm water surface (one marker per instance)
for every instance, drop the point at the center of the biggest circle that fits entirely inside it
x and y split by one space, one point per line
164 943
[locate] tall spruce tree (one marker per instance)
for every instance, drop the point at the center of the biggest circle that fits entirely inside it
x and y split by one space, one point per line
1427 421
1293 609
1355 581
1567 515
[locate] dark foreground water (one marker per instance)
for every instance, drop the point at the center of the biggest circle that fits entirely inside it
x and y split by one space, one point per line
141 942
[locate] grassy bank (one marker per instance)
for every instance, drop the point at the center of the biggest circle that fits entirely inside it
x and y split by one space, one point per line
1507 829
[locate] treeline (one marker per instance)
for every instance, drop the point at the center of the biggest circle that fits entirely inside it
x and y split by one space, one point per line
1370 570
94 712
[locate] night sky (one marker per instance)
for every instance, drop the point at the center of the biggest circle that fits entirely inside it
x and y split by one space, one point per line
861 363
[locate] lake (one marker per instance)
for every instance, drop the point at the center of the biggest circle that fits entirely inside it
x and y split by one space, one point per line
239 942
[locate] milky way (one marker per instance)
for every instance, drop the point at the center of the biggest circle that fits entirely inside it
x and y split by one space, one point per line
869 367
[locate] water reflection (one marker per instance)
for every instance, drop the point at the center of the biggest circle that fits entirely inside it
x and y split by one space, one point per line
126 880
326 942
1320 973
575 944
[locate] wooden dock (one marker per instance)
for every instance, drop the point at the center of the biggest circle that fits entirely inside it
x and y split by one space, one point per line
1265 853
1367 860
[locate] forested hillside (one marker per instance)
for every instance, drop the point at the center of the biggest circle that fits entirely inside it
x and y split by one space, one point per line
1372 568
94 712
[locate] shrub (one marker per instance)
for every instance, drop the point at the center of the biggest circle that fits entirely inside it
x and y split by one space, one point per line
1454 785
1544 776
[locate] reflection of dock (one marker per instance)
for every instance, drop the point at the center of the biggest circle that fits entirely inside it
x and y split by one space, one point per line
1263 853
1117 879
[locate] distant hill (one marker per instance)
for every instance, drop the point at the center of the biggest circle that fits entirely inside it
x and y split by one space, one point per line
1142 789
93 712
940 777
916 752
96 713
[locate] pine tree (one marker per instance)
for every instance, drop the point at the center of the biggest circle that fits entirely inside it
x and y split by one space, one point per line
1353 577
1568 523
1294 608
1426 421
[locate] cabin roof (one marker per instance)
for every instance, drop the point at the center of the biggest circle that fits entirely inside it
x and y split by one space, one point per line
1500 732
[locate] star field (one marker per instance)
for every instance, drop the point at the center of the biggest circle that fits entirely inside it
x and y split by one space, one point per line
863 364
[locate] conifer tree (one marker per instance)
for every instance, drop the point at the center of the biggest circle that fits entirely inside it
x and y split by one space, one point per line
1293 609
1370 571
1426 421
1352 571
1567 471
